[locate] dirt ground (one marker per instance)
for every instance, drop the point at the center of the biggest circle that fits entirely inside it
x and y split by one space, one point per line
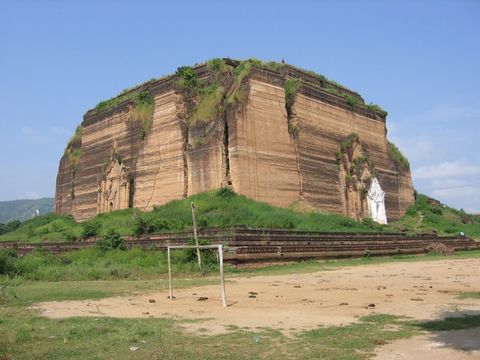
451 345
290 303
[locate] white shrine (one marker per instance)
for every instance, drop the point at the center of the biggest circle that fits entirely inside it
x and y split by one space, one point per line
376 202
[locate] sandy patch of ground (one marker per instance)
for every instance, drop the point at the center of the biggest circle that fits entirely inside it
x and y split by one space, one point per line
452 345
420 290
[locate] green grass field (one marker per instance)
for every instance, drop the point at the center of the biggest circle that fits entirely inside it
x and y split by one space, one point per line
26 335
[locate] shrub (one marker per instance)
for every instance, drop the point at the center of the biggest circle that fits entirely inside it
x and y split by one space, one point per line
369 223
398 157
143 112
7 262
291 87
208 255
350 100
149 224
226 192
91 228
376 108
240 73
347 144
111 241
208 106
203 221
217 66
70 236
9 226
187 80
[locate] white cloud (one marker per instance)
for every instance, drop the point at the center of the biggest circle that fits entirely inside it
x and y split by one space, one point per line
447 112
464 192
446 169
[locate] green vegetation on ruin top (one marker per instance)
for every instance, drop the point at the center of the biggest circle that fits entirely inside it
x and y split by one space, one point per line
398 157
186 78
73 149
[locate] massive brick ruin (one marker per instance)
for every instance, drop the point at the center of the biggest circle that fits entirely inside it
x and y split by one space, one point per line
272 132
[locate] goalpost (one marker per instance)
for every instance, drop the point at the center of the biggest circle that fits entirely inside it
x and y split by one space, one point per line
197 247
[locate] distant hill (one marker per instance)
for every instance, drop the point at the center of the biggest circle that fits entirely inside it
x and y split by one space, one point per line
24 209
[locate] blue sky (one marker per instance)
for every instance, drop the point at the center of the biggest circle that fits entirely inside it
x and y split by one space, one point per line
420 60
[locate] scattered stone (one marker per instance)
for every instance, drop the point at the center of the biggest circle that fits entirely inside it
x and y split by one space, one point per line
151 301
202 298
296 286
416 299
173 297
145 313
252 296
134 348
343 304
252 293
371 305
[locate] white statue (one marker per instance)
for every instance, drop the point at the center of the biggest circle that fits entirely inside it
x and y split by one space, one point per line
376 202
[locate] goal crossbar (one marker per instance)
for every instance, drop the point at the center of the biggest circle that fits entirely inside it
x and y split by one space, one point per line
197 247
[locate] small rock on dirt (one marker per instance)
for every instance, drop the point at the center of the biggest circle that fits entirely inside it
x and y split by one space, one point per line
134 348
202 298
151 301
343 304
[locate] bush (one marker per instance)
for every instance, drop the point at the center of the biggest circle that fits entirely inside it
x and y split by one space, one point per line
70 236
7 262
90 228
208 255
148 224
291 87
398 157
203 222
226 192
111 241
9 226
350 100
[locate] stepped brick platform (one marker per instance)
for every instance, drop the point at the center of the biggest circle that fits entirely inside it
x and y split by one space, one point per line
250 245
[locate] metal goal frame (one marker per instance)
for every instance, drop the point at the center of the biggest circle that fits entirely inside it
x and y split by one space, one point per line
197 247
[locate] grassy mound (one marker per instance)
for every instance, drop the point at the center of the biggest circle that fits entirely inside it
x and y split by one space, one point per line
220 208
224 208
429 215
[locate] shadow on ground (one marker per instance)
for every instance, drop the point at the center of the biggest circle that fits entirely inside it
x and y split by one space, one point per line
458 330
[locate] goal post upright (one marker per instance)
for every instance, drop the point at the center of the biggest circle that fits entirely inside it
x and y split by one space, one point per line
222 281
169 274
219 247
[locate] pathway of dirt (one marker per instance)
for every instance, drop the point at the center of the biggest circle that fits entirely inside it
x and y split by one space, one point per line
290 303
